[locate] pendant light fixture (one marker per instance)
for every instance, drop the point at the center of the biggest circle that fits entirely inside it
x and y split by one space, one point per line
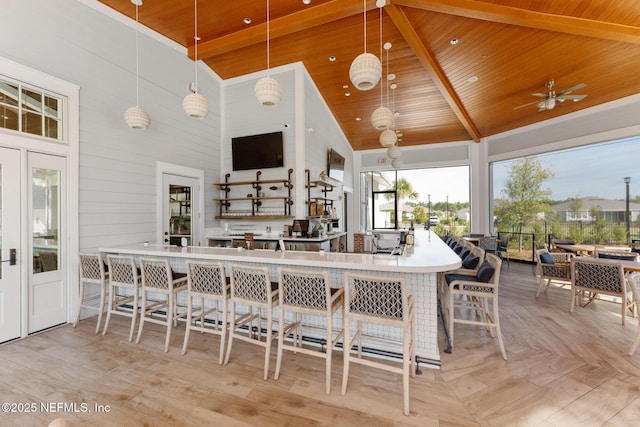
136 117
366 69
382 117
267 90
195 105
388 136
396 163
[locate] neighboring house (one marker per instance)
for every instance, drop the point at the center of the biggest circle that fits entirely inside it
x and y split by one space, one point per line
612 210
464 214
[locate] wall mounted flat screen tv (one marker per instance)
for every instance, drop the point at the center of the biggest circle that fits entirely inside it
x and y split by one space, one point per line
335 168
257 151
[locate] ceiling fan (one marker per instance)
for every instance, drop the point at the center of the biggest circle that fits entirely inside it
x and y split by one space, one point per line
553 98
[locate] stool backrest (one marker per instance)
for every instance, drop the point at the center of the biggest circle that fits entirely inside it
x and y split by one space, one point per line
304 288
91 267
250 283
383 297
156 273
207 278
122 269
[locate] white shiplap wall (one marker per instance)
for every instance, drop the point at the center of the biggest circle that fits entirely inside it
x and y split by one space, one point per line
90 48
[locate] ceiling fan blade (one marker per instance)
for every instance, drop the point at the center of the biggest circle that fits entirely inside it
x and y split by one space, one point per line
526 105
542 95
572 88
572 97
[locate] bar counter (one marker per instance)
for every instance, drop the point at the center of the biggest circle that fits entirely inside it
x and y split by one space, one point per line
418 264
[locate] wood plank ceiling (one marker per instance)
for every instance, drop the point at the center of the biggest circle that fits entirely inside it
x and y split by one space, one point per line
511 48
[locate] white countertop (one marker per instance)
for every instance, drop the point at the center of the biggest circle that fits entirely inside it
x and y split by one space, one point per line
429 254
276 237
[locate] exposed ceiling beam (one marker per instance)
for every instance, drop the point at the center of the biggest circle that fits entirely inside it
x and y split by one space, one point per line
289 24
528 18
427 60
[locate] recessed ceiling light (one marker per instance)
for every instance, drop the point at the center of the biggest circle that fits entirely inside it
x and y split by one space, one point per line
358 119
247 21
345 86
454 41
393 86
396 114
387 46
391 76
347 94
306 1
472 79
137 2
332 58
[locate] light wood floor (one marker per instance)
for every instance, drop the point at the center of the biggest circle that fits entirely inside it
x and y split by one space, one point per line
563 369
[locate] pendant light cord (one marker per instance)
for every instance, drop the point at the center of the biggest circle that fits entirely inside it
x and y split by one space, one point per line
137 61
381 96
364 6
268 44
195 38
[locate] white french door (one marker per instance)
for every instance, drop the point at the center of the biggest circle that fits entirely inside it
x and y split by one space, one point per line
47 201
10 286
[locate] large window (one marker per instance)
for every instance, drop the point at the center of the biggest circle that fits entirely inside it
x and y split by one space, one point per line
437 198
578 194
30 110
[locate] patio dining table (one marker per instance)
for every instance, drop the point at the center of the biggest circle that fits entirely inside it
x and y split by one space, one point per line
578 249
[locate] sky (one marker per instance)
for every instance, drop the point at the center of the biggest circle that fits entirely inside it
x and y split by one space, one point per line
595 170
439 183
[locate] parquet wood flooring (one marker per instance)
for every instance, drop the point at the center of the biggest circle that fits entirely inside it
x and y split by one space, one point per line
564 369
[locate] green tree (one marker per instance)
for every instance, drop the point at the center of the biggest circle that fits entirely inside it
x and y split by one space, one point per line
524 195
404 190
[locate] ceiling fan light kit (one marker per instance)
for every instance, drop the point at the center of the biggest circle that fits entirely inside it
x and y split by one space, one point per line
195 105
552 98
136 117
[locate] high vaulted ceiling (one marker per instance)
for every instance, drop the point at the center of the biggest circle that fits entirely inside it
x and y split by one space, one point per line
510 47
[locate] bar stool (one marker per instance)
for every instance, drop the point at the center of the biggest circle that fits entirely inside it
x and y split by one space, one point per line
124 274
159 280
251 287
307 292
207 281
92 271
383 301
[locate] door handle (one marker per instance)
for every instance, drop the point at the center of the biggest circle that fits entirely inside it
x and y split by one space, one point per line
12 257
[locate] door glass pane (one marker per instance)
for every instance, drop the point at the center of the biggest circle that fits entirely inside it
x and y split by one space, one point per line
180 221
1 219
46 219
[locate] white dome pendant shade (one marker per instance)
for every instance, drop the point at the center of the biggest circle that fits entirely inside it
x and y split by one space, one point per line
268 92
394 152
396 163
365 71
195 106
388 138
382 118
137 118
